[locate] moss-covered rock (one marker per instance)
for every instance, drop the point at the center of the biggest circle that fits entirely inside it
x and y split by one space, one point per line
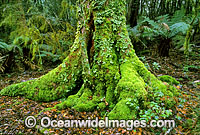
169 79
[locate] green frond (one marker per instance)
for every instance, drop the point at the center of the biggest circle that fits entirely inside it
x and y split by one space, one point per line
7 48
180 27
178 16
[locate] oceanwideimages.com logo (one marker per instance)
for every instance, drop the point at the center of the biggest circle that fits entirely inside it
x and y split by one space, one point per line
46 122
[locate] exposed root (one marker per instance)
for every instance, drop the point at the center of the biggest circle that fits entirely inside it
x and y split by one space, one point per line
58 83
82 101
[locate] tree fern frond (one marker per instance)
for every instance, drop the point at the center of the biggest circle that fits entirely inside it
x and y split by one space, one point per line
177 17
180 27
163 19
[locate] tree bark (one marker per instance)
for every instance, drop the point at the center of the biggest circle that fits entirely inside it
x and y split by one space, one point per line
102 69
133 12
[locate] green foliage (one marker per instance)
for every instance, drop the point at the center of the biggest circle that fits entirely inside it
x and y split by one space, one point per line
189 33
45 29
177 28
156 65
169 79
7 48
155 112
188 67
117 73
146 64
178 16
133 103
154 29
5 51
156 107
164 32
134 35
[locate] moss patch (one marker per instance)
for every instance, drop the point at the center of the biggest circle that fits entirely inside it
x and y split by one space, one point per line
169 79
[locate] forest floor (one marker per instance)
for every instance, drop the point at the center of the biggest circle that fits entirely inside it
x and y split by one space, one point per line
13 110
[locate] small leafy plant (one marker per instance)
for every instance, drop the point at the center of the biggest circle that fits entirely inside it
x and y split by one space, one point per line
156 66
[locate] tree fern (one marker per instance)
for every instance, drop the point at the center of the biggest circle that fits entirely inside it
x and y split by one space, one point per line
180 27
163 19
178 16
160 28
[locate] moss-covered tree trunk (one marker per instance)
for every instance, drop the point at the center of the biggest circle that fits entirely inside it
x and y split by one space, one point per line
102 69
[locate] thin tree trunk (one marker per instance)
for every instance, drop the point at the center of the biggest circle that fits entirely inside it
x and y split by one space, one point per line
133 15
162 7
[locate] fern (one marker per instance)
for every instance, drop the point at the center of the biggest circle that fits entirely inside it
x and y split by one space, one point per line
41 26
6 52
178 16
7 48
180 27
154 29
149 22
163 19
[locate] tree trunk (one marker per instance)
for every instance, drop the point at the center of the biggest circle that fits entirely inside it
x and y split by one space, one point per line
132 15
102 69
162 7
164 45
179 4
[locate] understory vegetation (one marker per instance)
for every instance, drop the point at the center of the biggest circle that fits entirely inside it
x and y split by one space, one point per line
76 62
35 33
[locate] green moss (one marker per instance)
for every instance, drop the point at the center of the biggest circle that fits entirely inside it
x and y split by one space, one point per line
89 106
130 84
102 106
115 73
169 79
122 111
82 101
